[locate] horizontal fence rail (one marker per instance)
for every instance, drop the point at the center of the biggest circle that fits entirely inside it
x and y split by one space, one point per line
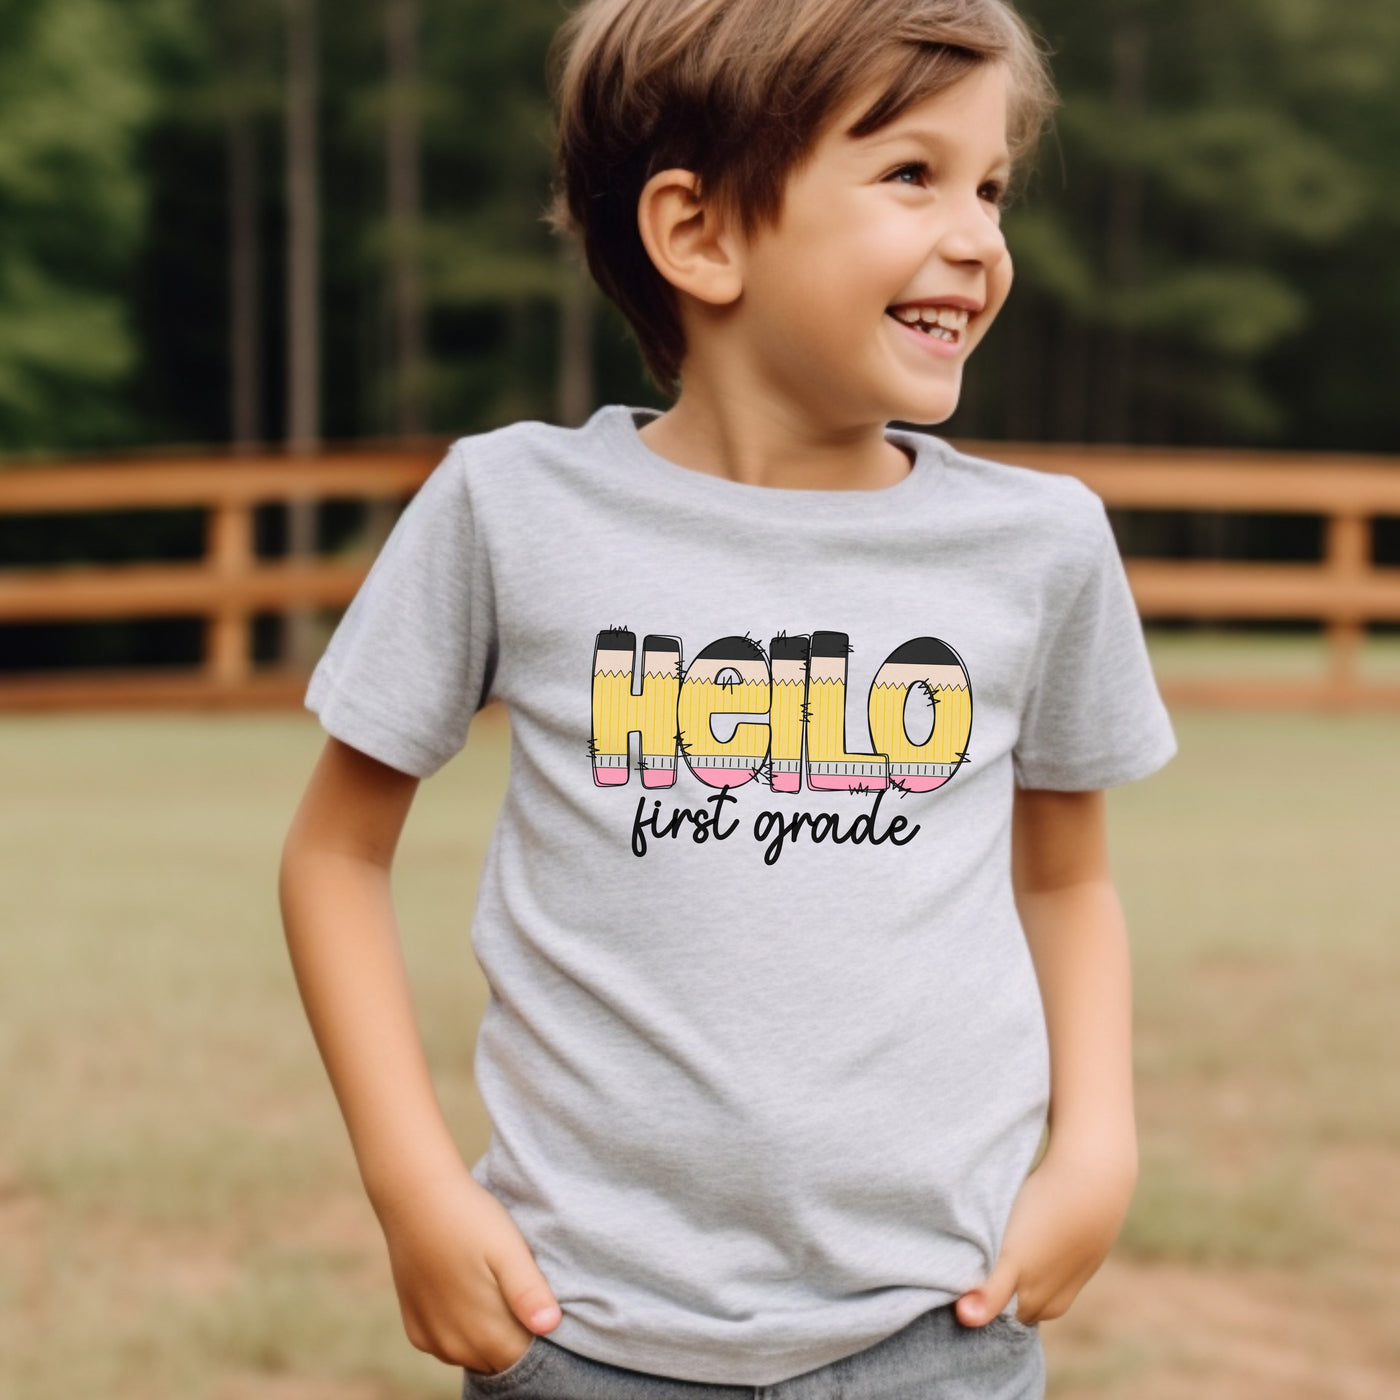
230 585
1344 591
227 588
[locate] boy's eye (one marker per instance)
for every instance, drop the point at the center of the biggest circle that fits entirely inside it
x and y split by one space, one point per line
915 173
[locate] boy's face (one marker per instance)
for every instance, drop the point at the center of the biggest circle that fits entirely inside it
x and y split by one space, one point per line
887 264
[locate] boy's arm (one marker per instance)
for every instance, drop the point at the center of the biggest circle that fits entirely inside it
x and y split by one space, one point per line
1072 1205
469 1288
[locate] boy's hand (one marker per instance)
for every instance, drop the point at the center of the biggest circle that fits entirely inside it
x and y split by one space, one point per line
1063 1223
469 1288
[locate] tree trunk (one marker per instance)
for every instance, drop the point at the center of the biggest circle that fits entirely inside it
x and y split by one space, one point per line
1072 378
303 295
244 282
576 392
405 199
1124 225
1017 385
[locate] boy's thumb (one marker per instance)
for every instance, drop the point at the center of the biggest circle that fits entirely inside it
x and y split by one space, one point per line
980 1305
527 1294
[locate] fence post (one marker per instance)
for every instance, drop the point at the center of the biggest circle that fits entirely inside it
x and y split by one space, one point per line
1348 557
228 657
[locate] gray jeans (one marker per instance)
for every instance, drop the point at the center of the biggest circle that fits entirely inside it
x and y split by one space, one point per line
934 1358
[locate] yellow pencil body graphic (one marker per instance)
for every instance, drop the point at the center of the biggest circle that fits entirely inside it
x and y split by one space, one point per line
829 766
789 708
788 657
729 677
618 713
933 670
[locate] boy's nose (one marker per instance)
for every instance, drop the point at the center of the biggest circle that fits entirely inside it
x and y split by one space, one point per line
972 233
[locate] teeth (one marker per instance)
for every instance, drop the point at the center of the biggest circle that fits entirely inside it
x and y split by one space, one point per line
952 321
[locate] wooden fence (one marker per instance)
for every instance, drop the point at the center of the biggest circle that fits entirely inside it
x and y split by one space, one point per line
227 588
1344 591
231 584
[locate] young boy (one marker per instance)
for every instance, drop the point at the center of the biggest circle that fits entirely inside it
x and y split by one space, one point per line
786 983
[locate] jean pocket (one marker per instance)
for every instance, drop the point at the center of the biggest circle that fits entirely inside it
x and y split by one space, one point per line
1011 1326
503 1382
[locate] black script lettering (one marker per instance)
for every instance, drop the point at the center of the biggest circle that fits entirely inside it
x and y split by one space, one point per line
639 840
719 799
762 825
864 824
703 824
896 823
771 826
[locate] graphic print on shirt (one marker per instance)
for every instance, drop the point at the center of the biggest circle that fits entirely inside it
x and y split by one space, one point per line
927 669
618 713
738 712
788 657
729 677
830 768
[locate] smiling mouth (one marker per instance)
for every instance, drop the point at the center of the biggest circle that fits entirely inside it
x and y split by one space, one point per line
940 322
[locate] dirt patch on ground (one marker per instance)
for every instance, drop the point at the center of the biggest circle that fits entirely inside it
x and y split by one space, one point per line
1140 1331
262 1387
1363 1187
21 1246
1170 1332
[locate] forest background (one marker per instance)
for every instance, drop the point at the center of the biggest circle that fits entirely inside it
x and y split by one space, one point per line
274 220
243 221
1204 250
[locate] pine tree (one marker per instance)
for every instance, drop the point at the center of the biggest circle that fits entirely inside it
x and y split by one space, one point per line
75 97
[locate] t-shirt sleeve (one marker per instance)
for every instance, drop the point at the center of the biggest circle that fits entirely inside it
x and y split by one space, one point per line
1094 717
412 658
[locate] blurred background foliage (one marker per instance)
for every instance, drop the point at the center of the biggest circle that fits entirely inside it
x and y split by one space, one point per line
1204 247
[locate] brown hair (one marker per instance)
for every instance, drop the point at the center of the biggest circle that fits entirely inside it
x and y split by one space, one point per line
737 91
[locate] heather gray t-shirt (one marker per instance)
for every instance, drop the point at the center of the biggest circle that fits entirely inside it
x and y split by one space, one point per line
764 1054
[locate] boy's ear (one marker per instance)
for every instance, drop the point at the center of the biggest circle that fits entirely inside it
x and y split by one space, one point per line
689 241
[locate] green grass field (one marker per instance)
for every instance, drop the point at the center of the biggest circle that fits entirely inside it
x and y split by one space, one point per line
179 1213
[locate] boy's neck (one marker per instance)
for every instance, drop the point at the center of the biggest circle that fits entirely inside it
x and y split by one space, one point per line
749 439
